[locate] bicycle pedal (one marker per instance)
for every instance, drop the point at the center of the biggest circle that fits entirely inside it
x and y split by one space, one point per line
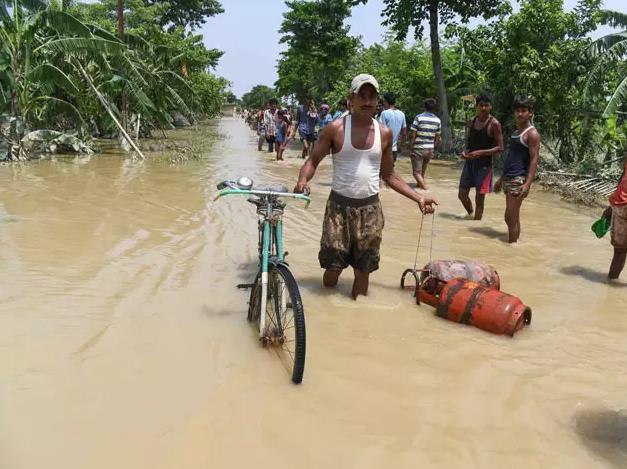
245 286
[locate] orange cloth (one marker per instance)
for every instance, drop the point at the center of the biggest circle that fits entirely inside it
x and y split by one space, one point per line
619 197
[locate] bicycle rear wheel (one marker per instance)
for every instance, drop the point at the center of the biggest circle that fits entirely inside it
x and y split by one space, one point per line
285 319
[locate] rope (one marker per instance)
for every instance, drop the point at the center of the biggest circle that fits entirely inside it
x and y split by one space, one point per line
422 219
432 238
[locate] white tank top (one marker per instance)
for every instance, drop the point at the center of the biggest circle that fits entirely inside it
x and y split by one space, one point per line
356 172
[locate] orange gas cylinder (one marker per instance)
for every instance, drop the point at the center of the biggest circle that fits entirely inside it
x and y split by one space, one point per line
485 308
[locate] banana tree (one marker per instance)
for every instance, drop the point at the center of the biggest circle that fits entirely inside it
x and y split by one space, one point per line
35 40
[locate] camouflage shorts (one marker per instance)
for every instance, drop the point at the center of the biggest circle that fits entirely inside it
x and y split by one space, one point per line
619 227
512 185
351 233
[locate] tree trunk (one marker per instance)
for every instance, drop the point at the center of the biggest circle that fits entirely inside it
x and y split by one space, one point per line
123 99
447 137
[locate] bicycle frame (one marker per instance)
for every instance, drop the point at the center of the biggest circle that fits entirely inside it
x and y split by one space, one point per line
272 228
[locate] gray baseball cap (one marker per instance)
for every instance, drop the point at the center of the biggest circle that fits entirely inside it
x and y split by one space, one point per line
363 79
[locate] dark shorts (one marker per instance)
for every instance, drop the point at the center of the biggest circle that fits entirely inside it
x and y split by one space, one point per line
351 233
479 177
310 137
270 138
512 184
394 154
420 159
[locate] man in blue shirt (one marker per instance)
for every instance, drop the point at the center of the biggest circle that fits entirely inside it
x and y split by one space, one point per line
394 119
324 117
342 109
306 118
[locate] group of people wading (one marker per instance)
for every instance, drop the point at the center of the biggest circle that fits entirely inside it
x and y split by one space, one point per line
364 150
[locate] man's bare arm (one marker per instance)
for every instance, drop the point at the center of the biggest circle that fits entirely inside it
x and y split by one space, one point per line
533 143
321 149
395 182
401 143
412 139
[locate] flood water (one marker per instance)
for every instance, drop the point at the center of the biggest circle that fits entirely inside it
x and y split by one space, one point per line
124 343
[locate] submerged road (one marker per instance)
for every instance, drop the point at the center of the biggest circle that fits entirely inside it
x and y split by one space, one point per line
124 344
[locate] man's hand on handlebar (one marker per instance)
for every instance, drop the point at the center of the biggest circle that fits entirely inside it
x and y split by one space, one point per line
302 187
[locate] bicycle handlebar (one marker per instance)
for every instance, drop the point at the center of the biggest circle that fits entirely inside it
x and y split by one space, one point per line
235 191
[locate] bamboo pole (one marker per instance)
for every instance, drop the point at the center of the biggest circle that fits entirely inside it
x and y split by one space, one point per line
103 101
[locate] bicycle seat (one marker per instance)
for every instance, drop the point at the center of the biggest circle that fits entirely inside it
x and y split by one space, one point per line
277 188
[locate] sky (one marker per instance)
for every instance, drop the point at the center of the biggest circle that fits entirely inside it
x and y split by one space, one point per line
247 32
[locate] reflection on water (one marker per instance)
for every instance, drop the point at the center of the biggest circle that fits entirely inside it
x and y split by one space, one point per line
124 343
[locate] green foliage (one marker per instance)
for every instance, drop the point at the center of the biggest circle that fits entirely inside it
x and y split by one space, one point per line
406 71
319 47
186 13
609 53
209 92
537 52
44 49
401 15
258 96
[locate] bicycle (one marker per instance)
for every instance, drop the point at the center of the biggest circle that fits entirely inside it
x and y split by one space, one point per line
275 303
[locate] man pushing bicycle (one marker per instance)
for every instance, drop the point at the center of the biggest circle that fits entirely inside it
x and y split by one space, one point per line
362 154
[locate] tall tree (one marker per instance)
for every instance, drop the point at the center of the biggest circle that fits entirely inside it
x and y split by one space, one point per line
187 13
402 15
258 96
318 46
123 103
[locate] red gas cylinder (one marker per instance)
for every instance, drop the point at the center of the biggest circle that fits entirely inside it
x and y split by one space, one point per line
485 308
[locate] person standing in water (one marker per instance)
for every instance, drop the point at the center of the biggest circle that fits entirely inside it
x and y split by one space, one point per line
423 140
324 117
261 131
342 109
353 220
617 212
282 131
520 165
394 119
306 118
269 123
484 140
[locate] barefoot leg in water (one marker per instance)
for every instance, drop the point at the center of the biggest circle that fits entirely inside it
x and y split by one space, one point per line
331 277
360 284
618 263
512 216
463 196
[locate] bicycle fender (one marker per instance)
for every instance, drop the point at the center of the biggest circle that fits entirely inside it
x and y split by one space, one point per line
277 262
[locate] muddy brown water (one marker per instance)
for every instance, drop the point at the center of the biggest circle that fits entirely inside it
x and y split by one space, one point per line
124 344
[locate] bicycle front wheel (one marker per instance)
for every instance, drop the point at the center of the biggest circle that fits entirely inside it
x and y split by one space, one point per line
286 318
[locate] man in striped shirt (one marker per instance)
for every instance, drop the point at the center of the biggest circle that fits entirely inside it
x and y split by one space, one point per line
423 139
